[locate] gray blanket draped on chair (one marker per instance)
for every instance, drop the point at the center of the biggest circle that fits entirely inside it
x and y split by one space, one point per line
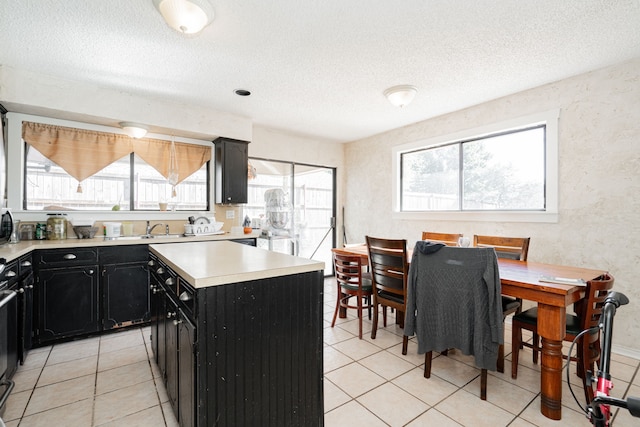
454 301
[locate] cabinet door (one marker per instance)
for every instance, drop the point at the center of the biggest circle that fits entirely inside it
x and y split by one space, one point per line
125 290
171 362
25 317
67 302
231 170
186 370
25 307
158 337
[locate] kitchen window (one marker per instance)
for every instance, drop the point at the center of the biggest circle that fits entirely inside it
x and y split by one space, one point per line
134 175
506 171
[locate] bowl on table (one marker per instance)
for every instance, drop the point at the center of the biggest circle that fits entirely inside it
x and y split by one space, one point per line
85 231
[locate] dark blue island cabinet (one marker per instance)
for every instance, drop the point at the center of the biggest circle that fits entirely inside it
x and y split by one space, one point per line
243 348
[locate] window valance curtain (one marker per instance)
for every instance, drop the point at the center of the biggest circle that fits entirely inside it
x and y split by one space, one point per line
82 153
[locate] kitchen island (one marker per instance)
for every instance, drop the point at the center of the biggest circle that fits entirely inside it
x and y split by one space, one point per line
237 334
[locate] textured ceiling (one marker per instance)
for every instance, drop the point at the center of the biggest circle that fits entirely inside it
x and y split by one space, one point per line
320 67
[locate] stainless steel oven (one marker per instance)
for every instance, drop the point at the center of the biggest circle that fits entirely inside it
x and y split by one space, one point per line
8 331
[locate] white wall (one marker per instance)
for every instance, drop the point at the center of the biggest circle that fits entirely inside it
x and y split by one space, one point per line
599 174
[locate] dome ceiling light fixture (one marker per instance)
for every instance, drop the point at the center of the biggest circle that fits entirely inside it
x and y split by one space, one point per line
185 16
134 130
401 95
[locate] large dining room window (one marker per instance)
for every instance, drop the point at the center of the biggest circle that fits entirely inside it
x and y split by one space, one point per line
508 169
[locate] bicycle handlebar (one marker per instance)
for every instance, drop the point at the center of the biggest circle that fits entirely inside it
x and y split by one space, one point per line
612 301
632 403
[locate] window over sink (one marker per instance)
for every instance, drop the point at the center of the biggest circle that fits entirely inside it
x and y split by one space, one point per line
136 175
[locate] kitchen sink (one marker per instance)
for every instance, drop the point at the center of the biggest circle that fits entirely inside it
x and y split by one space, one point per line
152 236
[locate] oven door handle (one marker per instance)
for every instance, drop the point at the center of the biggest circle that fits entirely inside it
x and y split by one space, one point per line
5 395
7 296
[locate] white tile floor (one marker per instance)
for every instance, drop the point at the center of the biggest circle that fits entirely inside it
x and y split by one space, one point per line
110 380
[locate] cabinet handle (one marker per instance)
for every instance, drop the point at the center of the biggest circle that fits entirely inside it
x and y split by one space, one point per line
185 296
29 287
171 314
21 290
169 281
11 273
151 263
156 290
69 256
25 264
176 322
90 271
160 270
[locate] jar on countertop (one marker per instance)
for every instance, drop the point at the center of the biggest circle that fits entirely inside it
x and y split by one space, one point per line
57 226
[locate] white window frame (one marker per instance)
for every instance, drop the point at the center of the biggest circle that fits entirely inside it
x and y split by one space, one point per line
550 213
15 170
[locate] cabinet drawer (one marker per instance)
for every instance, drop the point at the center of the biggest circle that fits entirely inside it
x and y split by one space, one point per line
65 257
123 254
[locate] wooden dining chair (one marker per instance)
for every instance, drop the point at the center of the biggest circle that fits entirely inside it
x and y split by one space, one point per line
454 302
388 265
352 282
512 248
449 239
588 312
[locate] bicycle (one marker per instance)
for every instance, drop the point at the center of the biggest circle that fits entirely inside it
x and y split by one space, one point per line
598 411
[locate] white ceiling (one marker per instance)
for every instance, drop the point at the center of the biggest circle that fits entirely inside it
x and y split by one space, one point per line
319 67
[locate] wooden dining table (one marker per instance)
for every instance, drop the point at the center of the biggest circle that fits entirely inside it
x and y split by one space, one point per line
521 279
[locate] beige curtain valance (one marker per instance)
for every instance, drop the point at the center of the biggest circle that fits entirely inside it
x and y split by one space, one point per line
82 153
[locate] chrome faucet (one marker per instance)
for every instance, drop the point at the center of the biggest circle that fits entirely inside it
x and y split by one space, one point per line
150 227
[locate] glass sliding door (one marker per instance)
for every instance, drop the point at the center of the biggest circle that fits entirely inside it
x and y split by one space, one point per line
294 204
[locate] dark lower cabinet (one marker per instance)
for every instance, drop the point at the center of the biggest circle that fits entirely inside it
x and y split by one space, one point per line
26 318
125 292
186 370
68 303
125 285
25 311
173 336
171 349
239 354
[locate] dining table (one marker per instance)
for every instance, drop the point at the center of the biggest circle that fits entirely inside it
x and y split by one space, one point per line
530 281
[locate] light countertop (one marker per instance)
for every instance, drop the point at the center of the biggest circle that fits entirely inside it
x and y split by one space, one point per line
204 264
11 251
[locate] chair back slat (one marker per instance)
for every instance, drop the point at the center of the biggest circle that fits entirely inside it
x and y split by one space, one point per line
506 247
449 239
388 265
348 269
591 308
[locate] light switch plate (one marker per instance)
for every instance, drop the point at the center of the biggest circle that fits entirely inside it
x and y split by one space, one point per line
231 214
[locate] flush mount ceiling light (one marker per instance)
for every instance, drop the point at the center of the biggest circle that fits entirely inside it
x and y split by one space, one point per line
185 16
401 95
134 130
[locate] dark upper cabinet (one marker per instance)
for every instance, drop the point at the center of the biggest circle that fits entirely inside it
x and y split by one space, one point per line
232 156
